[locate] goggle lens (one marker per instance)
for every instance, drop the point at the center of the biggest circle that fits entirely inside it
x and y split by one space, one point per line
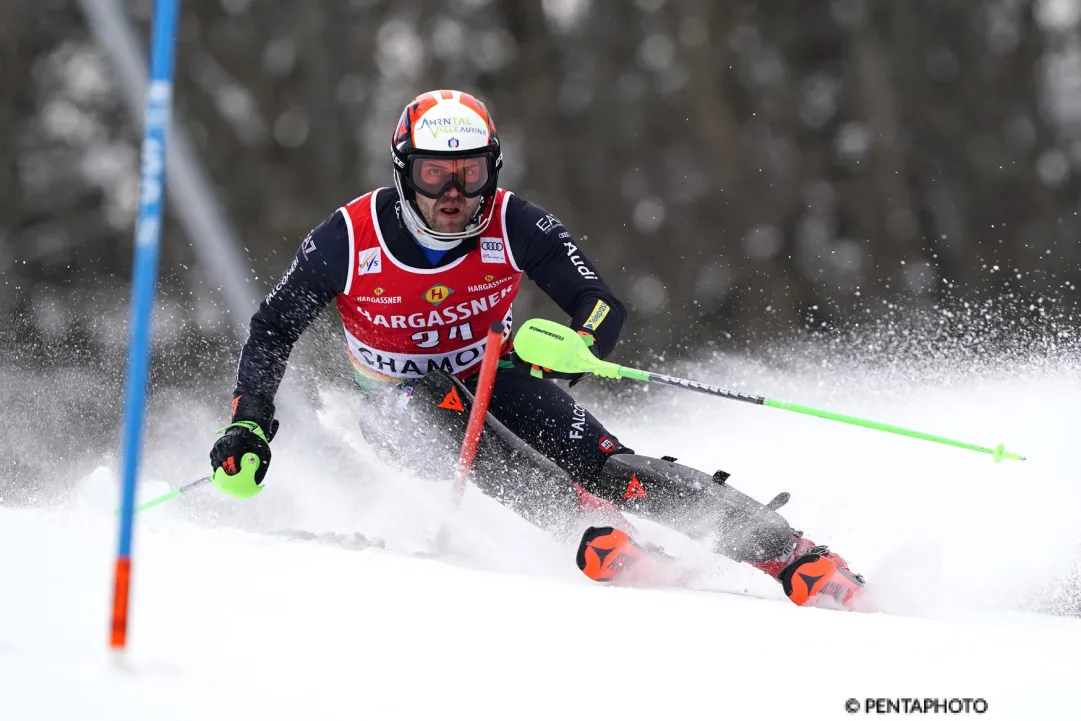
434 176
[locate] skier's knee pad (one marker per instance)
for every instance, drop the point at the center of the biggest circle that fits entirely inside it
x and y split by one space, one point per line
695 503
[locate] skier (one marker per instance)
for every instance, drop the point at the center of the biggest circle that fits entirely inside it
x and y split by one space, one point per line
419 273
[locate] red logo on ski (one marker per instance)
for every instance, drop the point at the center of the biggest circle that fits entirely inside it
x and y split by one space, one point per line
635 489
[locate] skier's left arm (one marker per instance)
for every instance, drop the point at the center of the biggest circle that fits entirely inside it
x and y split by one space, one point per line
546 251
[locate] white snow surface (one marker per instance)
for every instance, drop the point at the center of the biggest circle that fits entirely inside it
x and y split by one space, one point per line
971 567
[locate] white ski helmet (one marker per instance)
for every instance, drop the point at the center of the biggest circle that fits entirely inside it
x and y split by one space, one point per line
443 125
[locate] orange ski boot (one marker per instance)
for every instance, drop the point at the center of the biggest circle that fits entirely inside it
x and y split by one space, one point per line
812 575
815 578
610 555
607 553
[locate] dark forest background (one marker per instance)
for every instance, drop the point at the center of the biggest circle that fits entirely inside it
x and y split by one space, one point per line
739 170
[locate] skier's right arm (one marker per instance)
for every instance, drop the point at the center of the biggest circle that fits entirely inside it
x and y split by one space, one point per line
315 276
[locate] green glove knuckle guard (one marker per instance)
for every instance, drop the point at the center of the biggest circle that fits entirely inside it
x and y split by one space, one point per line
246 482
241 484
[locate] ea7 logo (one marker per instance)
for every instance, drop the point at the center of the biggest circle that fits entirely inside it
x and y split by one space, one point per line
369 261
548 222
308 246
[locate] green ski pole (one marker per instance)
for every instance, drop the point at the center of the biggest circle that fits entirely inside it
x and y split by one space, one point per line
171 495
556 347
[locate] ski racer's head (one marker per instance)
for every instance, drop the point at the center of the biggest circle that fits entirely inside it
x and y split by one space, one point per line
446 165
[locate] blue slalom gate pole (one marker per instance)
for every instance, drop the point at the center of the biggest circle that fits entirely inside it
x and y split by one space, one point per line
159 96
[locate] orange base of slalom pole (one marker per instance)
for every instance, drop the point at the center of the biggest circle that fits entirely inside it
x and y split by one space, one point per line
477 413
118 637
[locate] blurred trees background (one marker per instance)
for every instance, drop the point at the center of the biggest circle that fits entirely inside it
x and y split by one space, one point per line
737 169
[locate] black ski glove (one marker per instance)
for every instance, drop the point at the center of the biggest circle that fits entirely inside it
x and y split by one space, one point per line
238 440
245 435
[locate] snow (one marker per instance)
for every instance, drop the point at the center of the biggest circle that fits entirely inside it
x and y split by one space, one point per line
972 565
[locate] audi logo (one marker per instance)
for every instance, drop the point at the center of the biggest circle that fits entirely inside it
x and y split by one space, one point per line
492 245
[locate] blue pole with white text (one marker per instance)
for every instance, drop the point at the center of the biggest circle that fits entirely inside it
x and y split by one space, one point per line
159 95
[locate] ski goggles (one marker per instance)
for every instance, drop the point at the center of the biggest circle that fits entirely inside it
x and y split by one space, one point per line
432 176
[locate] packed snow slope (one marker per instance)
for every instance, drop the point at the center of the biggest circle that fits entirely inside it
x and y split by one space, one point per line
971 565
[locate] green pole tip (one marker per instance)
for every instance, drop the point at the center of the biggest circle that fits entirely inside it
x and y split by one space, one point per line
1001 453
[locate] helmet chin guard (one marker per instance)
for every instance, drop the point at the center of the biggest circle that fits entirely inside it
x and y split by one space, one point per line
445 124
